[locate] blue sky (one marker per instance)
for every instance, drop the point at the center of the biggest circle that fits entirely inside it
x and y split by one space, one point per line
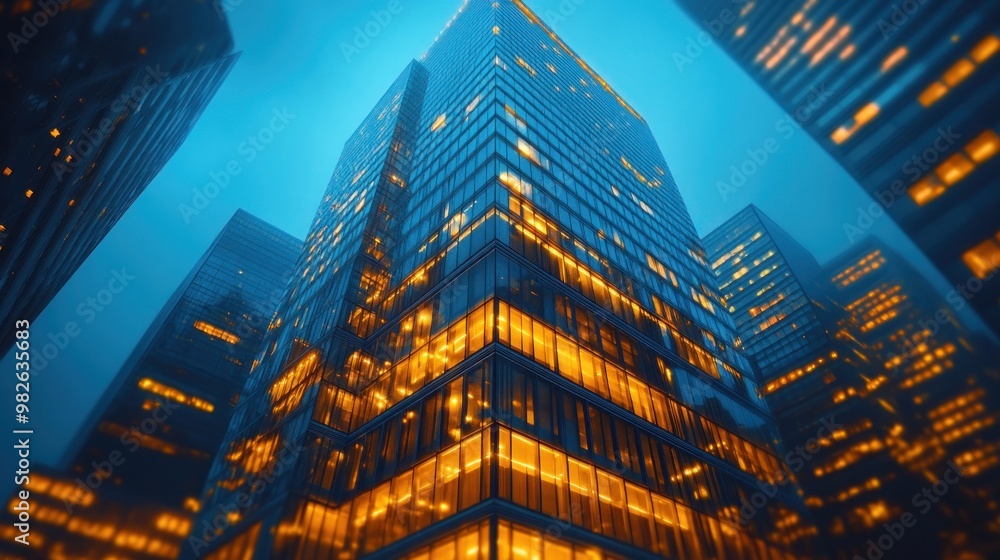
705 115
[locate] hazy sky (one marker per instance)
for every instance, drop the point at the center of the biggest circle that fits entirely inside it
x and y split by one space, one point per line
705 115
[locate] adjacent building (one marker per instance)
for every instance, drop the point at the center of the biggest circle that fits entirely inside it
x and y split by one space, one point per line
903 94
96 99
503 340
820 382
131 483
944 380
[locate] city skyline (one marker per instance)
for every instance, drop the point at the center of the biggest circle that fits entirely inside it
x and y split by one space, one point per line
205 155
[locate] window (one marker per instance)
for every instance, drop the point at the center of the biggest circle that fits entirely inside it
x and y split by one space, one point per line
439 122
984 259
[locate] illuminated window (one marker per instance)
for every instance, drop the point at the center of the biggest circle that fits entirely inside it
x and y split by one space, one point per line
212 330
894 58
530 152
473 105
55 132
984 146
985 49
514 119
28 193
524 64
958 72
7 171
439 122
954 169
168 392
983 259
932 93
926 190
861 118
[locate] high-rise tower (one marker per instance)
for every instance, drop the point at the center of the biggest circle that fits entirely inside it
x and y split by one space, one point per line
945 381
821 383
98 98
911 112
133 476
502 340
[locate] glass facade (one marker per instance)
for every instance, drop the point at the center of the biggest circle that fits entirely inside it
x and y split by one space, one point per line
903 95
503 339
132 481
821 382
944 380
97 107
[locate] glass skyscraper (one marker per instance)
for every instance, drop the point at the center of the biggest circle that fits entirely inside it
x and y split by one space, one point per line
911 112
131 482
820 382
503 340
98 100
946 384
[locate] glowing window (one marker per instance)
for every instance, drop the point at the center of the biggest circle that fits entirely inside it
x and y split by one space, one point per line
894 58
55 132
439 122
28 193
958 72
954 169
168 392
983 259
984 146
926 190
932 93
7 171
212 330
985 49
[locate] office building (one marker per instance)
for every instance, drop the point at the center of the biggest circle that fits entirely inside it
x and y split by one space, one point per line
944 380
903 95
504 341
132 478
819 381
98 100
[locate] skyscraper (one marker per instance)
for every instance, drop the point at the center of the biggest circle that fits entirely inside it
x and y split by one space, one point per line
945 382
910 112
132 480
99 98
503 340
820 382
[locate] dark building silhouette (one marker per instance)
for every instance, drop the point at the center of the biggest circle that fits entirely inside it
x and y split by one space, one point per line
944 381
820 382
908 106
96 97
131 481
502 341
